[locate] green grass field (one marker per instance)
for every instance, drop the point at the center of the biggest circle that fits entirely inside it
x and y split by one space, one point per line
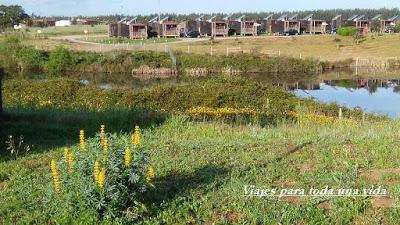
201 170
201 164
70 30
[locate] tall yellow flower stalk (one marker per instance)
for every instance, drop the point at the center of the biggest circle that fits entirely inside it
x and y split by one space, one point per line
66 154
69 159
149 174
102 134
102 178
105 151
136 137
70 162
82 143
56 177
96 172
128 157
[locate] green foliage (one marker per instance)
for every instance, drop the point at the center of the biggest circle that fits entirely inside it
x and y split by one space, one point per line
397 28
247 63
13 14
31 59
347 31
60 60
120 199
9 49
219 92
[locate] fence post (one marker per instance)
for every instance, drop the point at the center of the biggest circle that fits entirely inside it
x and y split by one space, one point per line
340 113
227 51
211 50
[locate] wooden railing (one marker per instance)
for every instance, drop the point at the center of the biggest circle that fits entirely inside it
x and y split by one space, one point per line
249 30
139 34
171 33
220 31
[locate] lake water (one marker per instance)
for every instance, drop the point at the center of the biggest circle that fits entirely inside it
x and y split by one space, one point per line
376 96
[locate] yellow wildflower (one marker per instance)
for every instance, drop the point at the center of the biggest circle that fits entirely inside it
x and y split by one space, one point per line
102 131
70 162
136 137
102 178
82 143
128 157
66 153
96 172
56 177
149 174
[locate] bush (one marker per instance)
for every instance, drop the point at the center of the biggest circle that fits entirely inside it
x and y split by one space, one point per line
347 31
102 179
60 60
9 49
31 59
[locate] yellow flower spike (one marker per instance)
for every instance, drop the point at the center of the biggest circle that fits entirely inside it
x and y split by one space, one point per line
82 143
128 157
66 154
136 137
70 162
96 172
102 178
149 174
56 177
105 146
102 131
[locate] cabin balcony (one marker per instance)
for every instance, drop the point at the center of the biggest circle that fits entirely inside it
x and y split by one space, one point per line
138 34
171 33
252 30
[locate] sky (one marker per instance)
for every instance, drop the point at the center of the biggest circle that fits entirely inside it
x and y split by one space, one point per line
144 7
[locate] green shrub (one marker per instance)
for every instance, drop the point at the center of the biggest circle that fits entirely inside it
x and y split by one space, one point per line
9 49
111 191
31 59
346 31
60 60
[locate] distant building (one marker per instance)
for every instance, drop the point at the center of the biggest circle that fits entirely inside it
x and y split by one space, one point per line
43 22
63 23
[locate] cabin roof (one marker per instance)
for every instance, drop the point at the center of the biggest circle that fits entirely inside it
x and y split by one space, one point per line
337 17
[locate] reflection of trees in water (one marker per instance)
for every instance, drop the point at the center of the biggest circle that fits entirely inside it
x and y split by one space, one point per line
373 86
396 89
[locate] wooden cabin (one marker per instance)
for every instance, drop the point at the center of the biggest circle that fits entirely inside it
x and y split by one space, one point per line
292 23
248 28
169 29
154 28
388 25
313 26
113 30
317 26
219 28
234 27
336 23
138 31
350 22
375 24
362 23
43 23
273 26
203 27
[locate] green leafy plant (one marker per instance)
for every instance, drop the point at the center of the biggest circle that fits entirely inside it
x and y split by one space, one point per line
60 60
31 58
346 31
104 177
